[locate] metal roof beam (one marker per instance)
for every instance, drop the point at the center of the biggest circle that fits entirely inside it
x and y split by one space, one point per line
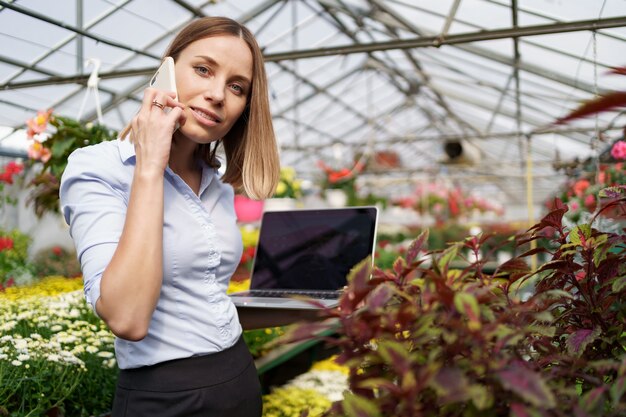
494 135
523 41
46 19
461 38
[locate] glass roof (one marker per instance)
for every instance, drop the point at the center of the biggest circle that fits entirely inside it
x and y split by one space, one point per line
349 78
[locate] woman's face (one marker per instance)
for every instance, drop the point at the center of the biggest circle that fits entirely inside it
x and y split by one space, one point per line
213 79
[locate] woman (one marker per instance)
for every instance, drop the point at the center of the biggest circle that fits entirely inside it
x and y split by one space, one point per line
156 233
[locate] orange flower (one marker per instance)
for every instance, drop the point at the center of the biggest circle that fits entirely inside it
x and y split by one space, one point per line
580 186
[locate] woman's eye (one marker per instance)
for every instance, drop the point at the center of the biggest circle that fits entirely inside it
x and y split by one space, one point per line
237 88
202 70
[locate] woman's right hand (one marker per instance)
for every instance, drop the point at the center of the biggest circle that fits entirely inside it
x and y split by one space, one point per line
153 128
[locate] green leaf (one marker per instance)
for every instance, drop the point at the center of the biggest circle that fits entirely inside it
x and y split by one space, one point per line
451 385
481 397
593 401
356 406
377 383
467 305
448 255
60 147
580 234
619 284
528 385
395 354
617 390
611 192
578 341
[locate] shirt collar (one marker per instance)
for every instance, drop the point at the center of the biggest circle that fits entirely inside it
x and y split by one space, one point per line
127 149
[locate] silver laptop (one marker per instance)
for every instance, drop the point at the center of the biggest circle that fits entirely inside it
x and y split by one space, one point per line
307 253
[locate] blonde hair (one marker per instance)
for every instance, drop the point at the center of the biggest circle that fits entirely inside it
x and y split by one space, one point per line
252 160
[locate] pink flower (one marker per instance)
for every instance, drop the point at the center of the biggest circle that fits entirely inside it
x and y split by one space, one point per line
573 205
38 123
618 151
39 152
590 201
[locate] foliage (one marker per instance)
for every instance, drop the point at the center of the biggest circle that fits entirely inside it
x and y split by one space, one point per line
8 178
15 268
447 203
56 261
288 186
429 340
53 149
258 340
581 194
54 352
341 179
290 401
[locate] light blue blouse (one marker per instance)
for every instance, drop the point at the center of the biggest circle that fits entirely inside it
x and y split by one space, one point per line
201 249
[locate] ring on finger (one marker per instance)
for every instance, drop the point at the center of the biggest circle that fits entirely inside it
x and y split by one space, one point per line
159 105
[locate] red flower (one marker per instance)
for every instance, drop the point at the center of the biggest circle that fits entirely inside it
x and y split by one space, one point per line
247 254
57 250
6 243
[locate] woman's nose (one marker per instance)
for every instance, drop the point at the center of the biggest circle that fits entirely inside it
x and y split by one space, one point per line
215 92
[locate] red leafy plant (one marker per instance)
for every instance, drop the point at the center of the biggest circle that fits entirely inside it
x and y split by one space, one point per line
426 339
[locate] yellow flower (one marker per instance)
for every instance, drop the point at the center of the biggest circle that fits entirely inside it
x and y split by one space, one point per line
281 188
287 174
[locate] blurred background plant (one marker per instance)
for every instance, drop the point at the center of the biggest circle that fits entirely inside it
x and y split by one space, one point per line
56 260
447 202
15 266
288 186
341 179
10 183
52 148
580 194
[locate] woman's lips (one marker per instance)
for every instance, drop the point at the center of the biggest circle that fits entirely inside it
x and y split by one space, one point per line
205 117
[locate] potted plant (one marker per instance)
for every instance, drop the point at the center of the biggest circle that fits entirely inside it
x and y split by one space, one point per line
339 185
288 191
51 150
430 340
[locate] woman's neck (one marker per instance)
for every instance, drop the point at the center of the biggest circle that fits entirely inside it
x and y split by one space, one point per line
183 162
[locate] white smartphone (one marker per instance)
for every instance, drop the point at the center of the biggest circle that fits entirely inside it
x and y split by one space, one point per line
165 79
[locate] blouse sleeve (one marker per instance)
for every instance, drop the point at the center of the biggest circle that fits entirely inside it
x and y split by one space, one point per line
94 202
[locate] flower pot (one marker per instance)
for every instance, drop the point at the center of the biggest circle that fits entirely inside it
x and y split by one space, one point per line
248 210
336 198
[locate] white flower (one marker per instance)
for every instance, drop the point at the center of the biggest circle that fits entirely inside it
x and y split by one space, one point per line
105 354
109 363
56 328
20 344
91 349
3 356
23 357
16 363
53 357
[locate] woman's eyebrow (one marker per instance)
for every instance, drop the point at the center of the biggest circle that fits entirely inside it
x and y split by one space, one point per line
213 62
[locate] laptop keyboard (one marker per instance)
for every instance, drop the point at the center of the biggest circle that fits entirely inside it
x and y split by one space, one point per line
325 295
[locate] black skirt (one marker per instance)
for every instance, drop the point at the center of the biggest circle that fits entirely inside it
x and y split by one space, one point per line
221 384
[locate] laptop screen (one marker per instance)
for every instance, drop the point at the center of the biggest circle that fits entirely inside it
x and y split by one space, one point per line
312 249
